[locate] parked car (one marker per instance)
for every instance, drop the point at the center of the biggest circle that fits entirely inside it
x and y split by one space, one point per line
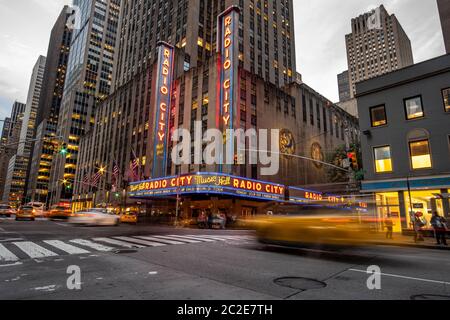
219 221
95 217
6 210
25 213
59 212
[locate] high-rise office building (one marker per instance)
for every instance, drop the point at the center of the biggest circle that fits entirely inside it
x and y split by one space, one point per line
135 124
444 13
30 114
344 86
88 82
377 45
18 165
8 147
46 143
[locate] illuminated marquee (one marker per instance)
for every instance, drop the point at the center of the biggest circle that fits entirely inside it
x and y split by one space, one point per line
227 39
209 183
163 96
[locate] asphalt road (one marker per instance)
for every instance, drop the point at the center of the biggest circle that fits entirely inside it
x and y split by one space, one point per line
145 262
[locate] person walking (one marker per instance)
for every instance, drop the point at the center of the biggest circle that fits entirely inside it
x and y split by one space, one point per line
440 228
389 223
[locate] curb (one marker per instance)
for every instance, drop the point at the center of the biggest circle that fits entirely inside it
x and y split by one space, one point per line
411 245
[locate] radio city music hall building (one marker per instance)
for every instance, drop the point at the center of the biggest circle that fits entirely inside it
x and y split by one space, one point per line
232 68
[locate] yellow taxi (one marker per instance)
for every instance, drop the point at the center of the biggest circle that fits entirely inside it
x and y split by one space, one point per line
59 212
129 217
314 225
26 213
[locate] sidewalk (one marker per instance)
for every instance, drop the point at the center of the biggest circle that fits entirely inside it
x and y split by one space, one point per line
408 241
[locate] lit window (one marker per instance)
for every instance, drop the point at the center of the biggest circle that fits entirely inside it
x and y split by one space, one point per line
446 97
378 116
414 108
383 159
420 154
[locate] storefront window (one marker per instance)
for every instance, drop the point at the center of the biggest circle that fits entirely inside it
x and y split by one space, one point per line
388 205
420 154
423 202
383 159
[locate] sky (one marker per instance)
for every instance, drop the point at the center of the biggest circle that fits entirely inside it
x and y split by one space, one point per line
320 25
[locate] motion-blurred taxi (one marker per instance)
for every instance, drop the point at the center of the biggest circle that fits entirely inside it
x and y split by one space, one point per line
129 217
25 213
59 212
314 225
6 210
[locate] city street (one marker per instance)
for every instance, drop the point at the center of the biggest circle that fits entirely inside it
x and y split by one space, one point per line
149 262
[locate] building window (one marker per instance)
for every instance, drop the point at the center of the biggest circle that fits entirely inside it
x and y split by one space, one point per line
420 154
378 116
383 159
414 108
446 97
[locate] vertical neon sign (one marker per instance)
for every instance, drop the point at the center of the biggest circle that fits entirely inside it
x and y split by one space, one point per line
164 80
228 49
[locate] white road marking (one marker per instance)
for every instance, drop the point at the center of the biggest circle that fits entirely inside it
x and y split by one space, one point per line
92 245
6 255
119 243
66 247
157 239
217 238
194 238
33 250
11 265
176 238
402 277
140 241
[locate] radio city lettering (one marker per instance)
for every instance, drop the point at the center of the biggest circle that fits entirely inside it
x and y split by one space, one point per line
164 90
213 181
227 64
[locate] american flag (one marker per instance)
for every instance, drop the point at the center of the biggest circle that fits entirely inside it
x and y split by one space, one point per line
96 179
115 172
87 179
133 166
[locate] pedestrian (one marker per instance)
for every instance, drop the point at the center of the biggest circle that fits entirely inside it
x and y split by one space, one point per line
210 220
440 228
418 224
389 223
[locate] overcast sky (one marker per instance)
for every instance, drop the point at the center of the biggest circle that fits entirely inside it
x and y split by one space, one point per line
320 25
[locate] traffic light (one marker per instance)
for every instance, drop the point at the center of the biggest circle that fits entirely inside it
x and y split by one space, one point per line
353 159
64 150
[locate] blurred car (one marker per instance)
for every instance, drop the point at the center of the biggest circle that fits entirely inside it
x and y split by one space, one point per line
59 212
6 210
314 225
129 217
39 208
218 221
25 213
95 217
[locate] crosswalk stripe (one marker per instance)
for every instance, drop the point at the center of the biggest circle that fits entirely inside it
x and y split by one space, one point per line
6 255
140 241
223 238
119 243
214 238
154 238
178 239
92 245
66 247
194 237
33 250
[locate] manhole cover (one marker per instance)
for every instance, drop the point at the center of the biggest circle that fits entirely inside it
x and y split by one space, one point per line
125 251
430 297
300 283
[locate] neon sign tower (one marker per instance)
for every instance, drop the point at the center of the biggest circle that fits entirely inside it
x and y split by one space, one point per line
163 95
228 64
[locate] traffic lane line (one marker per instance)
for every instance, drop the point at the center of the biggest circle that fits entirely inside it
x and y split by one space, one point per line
400 276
